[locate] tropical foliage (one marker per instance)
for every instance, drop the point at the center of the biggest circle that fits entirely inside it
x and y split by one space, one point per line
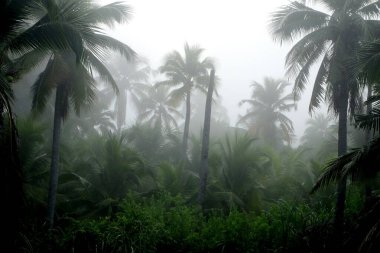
266 112
334 37
186 73
172 175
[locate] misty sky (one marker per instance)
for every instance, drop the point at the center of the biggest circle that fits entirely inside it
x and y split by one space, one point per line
234 33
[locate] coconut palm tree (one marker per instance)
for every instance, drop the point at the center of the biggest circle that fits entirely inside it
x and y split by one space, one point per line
72 77
361 162
266 112
22 29
132 79
321 136
333 36
186 73
157 111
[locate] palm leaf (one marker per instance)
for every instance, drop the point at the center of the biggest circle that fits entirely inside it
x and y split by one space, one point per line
108 14
370 121
356 164
285 23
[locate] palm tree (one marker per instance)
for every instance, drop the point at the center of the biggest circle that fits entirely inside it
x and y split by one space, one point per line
267 105
72 78
132 79
22 30
186 72
334 37
203 168
157 111
320 135
360 164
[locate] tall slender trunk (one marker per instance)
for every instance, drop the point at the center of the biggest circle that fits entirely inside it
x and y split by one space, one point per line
203 170
368 188
342 149
187 125
368 111
55 155
10 180
122 109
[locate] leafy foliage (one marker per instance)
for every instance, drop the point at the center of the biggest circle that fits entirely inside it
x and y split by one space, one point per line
266 112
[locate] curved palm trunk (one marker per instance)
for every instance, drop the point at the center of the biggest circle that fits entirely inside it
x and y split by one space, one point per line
203 170
53 184
187 126
342 149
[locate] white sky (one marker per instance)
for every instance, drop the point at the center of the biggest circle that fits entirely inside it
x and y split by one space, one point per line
234 33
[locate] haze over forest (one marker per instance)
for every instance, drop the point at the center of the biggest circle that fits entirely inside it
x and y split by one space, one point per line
236 34
185 126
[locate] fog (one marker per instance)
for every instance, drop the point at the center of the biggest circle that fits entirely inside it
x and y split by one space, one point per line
236 35
196 144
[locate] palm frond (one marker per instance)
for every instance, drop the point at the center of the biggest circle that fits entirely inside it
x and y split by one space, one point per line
53 36
317 95
30 60
370 10
356 164
98 65
108 14
43 86
109 43
294 19
370 121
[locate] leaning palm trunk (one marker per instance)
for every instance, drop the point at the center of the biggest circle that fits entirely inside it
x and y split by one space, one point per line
187 125
53 184
342 150
203 171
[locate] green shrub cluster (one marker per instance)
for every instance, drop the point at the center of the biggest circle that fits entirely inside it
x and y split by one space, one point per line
168 224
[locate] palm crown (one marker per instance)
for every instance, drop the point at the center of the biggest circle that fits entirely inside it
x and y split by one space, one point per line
186 73
267 105
157 110
62 70
332 36
70 71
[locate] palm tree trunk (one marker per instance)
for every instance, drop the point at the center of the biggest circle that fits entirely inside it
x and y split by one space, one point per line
55 155
342 149
368 111
368 188
122 109
187 126
203 170
11 181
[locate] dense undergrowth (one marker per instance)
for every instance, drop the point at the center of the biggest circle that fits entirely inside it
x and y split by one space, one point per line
164 223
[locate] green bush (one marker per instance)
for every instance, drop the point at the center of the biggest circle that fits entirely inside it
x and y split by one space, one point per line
167 224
